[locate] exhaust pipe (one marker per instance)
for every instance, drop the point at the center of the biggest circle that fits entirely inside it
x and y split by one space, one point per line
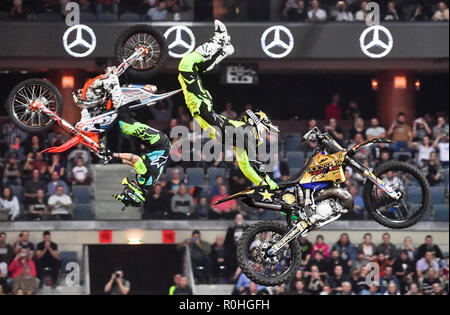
342 194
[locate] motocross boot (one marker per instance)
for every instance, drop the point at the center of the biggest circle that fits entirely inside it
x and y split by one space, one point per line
211 48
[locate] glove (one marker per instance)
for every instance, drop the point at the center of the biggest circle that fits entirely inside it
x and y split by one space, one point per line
270 182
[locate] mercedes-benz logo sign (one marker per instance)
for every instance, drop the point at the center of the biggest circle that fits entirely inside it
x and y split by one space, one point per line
284 48
383 48
179 41
87 45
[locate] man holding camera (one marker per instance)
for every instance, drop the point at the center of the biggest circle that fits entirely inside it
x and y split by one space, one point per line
117 285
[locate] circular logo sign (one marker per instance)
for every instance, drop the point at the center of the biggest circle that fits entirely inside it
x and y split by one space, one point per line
81 45
280 45
178 44
376 47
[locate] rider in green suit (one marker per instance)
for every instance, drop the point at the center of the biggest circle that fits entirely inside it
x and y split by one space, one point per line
199 102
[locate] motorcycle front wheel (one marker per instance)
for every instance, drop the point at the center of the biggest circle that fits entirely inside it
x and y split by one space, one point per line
137 36
253 258
22 97
415 195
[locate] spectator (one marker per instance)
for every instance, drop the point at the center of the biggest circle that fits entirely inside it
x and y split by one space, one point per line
183 288
404 266
219 259
347 250
335 131
419 13
317 14
334 261
433 170
32 186
360 261
200 256
158 13
174 184
424 150
6 251
408 247
316 280
16 149
3 277
387 248
232 236
413 290
361 14
79 152
117 284
321 246
26 282
280 169
346 289
9 204
374 289
12 173
392 289
429 246
156 205
10 132
382 262
400 132
57 165
421 129
48 258
34 146
18 11
299 289
334 110
306 250
337 279
375 130
202 209
23 242
437 289
162 110
326 290
441 128
229 112
442 147
176 283
367 246
225 210
358 128
425 263
38 209
387 278
215 187
442 13
60 204
358 208
182 204
54 183
21 261
34 160
80 173
341 14
110 6
391 12
296 14
429 281
319 261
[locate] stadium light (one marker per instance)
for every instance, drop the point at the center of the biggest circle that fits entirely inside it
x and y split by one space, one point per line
135 241
417 84
68 82
374 84
400 82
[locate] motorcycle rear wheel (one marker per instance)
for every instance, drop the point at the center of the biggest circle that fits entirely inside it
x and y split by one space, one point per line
250 237
388 212
18 105
142 35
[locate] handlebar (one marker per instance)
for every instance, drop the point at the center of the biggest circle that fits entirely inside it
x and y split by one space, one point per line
323 139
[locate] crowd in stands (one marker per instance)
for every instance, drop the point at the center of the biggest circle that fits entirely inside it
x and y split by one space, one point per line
38 186
252 10
26 267
35 185
326 268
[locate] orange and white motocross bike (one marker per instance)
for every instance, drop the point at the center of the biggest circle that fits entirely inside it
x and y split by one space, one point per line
396 195
35 105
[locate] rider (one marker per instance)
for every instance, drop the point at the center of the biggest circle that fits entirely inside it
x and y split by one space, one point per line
148 166
199 102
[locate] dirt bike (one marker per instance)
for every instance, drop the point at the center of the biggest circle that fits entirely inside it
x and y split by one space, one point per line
36 105
269 252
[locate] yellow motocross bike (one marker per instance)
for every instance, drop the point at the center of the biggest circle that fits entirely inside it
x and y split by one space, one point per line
269 252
